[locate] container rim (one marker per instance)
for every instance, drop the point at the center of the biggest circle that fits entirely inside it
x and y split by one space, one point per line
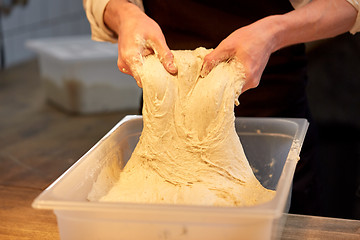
44 47
47 201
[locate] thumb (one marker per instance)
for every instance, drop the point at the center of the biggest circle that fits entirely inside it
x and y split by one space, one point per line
212 59
167 60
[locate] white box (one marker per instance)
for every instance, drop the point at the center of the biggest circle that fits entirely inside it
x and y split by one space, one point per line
81 75
272 146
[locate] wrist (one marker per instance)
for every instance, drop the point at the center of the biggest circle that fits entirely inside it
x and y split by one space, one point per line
116 12
271 30
288 30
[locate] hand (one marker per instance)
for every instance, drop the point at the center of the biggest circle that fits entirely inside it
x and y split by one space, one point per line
250 45
138 36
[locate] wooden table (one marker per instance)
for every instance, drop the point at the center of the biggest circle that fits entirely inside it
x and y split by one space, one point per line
38 142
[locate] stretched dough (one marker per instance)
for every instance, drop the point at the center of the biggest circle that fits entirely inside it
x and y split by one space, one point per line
189 152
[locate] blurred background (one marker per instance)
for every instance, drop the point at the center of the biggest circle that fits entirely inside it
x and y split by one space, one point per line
28 19
333 91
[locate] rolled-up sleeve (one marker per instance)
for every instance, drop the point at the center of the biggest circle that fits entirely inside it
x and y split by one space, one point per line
95 14
95 11
356 5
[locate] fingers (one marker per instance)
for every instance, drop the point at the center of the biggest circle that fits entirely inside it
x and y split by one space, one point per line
125 68
122 66
168 62
129 60
224 54
165 55
213 59
209 63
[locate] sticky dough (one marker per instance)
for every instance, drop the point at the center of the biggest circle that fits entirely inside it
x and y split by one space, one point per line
189 152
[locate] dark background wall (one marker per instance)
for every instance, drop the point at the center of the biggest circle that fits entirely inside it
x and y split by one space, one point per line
334 97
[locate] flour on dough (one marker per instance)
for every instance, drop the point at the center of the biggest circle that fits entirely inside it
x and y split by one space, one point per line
189 151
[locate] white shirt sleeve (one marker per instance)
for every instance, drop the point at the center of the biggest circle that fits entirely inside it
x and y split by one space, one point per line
355 3
94 10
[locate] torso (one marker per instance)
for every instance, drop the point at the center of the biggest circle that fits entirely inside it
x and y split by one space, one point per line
188 24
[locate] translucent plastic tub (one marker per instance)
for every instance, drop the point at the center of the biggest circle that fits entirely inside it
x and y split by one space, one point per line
272 146
80 75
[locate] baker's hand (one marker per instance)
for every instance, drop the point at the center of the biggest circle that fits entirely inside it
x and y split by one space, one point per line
138 36
250 45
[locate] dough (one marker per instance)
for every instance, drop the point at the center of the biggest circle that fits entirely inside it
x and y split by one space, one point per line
189 152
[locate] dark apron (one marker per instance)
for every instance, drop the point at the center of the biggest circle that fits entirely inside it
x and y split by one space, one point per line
188 24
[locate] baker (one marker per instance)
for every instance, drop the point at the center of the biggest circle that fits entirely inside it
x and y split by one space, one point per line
265 36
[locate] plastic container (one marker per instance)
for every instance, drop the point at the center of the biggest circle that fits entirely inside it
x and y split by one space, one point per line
272 146
81 75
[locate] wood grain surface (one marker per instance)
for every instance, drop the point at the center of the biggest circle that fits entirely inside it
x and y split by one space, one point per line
38 142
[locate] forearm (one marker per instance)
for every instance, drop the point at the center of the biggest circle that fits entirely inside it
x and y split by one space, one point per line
317 20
